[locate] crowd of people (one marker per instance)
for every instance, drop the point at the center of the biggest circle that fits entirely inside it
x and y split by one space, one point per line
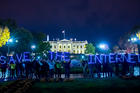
109 69
37 69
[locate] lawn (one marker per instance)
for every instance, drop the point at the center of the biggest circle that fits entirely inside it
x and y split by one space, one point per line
6 83
110 85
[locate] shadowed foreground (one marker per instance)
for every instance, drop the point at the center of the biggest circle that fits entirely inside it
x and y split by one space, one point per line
114 85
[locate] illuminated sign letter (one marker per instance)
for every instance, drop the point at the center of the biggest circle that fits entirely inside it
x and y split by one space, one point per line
131 58
19 59
2 59
26 56
138 58
58 55
119 58
98 58
111 58
90 59
11 59
51 55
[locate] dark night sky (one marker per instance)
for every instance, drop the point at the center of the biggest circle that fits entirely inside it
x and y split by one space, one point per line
92 20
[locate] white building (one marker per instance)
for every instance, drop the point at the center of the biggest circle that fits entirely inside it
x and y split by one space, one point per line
74 47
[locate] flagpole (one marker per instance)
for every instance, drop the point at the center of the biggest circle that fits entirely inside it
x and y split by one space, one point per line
64 34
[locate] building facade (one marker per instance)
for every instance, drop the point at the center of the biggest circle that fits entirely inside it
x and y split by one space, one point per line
74 47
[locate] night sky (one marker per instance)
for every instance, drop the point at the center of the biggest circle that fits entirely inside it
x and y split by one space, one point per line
92 20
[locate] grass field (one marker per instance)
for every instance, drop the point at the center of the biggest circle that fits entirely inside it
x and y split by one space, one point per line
113 85
5 83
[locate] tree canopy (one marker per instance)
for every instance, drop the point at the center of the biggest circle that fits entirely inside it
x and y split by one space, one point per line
25 38
4 36
90 49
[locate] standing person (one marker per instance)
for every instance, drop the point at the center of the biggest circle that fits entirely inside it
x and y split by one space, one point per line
39 66
117 69
17 69
24 68
51 68
47 69
27 70
98 69
0 70
110 69
36 69
3 68
106 69
12 69
85 68
58 69
90 68
67 68
21 69
31 69
43 69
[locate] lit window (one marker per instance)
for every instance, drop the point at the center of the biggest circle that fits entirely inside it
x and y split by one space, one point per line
77 51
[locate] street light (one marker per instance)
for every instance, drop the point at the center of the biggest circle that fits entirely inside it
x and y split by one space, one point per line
10 41
16 41
103 46
134 40
33 47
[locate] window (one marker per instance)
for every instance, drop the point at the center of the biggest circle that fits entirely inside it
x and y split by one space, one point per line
81 46
59 46
77 46
78 52
68 46
64 46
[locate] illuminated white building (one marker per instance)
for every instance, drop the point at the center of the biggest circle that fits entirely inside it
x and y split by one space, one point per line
72 46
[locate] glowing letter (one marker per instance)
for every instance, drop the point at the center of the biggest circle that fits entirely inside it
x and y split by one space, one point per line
2 59
100 60
119 58
139 58
111 58
131 58
19 58
90 59
26 56
11 59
